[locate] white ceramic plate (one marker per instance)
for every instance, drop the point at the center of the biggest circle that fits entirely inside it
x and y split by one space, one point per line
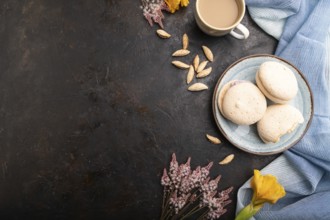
246 137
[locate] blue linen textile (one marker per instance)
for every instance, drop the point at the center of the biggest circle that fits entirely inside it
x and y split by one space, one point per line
303 30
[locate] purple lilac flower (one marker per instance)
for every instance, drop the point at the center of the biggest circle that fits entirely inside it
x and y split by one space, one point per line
178 202
185 186
174 172
205 171
210 186
152 11
195 177
185 169
165 181
216 204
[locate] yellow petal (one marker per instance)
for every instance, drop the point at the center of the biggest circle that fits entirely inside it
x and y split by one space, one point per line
173 5
184 3
266 188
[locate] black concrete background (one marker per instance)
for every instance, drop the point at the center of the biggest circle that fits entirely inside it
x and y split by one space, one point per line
91 108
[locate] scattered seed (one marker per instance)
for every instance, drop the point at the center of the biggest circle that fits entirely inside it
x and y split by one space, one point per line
185 41
227 159
180 53
197 87
201 66
180 64
204 73
163 34
196 62
190 75
208 53
212 139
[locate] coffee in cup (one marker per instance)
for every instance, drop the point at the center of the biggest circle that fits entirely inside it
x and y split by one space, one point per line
220 17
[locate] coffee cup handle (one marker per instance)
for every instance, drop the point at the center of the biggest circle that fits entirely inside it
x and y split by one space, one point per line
245 32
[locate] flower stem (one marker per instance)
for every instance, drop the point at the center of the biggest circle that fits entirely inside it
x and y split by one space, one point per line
248 211
192 211
165 207
203 215
165 198
182 211
168 214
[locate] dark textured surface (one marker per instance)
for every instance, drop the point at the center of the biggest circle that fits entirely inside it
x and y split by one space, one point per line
91 109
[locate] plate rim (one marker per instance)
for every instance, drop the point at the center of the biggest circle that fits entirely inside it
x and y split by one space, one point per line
214 104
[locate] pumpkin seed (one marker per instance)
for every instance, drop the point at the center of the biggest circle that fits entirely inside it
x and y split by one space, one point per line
201 66
163 34
196 62
197 87
227 159
212 139
190 75
208 53
180 64
180 53
204 73
185 41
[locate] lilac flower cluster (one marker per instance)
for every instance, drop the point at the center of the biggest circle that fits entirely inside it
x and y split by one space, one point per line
187 192
152 11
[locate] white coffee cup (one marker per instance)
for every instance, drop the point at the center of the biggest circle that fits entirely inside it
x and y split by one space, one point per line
209 28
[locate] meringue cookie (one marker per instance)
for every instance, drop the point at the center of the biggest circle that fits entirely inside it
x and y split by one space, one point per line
242 102
277 82
278 120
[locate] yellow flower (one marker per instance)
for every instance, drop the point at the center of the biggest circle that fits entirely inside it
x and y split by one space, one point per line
265 189
184 3
174 5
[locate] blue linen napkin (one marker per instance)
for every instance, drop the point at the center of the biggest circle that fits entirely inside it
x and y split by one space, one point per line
303 30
